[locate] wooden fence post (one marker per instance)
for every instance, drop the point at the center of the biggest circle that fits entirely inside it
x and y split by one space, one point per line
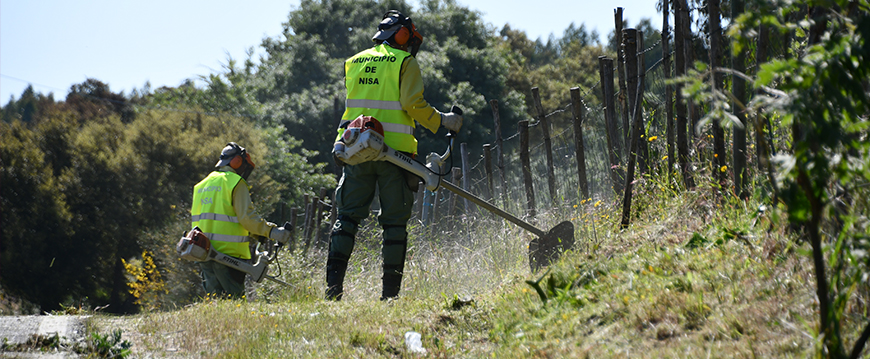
318 218
426 212
680 16
527 167
548 145
669 91
454 198
293 214
629 42
643 145
435 220
614 138
620 69
579 149
629 49
487 164
315 215
456 176
418 202
499 152
629 175
309 209
463 151
306 200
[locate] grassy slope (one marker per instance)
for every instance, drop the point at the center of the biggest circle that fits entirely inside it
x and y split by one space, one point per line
642 292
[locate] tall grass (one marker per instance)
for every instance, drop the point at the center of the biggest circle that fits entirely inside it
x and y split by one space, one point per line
696 275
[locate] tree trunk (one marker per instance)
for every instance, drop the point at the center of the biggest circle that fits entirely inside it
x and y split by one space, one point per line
680 16
738 89
719 163
669 91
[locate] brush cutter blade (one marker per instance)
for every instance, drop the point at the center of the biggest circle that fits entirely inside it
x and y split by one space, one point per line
547 249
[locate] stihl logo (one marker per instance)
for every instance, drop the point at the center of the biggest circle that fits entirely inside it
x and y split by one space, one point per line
402 156
230 260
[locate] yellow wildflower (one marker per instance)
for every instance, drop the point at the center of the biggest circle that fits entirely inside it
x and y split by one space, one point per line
653 138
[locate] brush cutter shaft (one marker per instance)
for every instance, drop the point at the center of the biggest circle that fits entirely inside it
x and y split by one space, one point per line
257 271
429 174
480 202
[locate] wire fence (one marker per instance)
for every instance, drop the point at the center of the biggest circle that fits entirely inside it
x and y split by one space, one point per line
569 192
654 105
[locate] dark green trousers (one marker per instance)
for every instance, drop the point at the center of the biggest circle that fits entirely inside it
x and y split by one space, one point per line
354 196
220 280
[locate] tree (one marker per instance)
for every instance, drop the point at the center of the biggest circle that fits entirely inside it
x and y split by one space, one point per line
93 99
822 97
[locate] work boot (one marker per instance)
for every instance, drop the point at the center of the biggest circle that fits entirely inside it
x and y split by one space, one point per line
392 284
395 246
341 243
335 270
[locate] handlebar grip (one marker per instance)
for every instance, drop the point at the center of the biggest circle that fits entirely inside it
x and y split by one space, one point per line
455 109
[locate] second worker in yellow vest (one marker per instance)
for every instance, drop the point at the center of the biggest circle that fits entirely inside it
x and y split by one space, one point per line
223 210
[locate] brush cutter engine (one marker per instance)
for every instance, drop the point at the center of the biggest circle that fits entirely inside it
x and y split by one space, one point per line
195 246
362 141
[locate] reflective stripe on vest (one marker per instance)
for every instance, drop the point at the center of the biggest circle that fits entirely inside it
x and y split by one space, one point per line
215 217
376 104
213 213
390 127
372 81
227 238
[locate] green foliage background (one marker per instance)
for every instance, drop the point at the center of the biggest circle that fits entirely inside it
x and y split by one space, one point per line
98 176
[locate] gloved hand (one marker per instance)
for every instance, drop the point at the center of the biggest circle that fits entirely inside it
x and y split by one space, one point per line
451 121
338 146
281 235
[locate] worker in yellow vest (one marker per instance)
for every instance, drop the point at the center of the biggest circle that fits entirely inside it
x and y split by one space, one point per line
383 82
223 210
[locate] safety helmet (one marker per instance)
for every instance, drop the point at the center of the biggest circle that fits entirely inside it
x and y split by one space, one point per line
236 157
398 29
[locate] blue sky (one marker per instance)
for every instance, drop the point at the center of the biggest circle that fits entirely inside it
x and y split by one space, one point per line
53 44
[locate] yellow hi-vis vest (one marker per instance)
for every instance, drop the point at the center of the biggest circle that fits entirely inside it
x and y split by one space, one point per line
213 213
372 81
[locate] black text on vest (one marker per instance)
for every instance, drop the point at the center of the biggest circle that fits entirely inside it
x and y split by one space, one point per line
368 81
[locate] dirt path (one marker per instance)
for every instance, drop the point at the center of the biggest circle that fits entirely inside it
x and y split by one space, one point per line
18 330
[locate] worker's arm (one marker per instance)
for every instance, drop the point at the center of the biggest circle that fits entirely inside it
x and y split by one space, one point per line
244 208
411 87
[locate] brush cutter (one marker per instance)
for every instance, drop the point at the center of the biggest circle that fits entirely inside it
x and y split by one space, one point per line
195 246
363 141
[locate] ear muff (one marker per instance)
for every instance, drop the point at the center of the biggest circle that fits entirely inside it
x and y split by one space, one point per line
236 162
402 36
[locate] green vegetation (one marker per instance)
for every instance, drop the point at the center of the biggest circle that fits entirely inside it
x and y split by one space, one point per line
96 190
653 291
